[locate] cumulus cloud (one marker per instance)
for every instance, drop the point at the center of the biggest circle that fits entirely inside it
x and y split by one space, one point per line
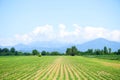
63 34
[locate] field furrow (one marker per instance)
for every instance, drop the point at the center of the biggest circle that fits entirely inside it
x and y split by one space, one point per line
61 72
48 72
57 68
53 72
84 73
75 72
56 73
66 73
71 75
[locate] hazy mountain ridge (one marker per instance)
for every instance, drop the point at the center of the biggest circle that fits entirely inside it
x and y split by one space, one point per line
99 44
61 47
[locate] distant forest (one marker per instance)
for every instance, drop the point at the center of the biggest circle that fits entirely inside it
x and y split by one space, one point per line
69 51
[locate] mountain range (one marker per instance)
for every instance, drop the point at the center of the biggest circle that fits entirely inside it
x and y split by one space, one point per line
98 43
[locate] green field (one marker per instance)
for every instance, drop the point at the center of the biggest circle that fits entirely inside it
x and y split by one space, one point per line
58 68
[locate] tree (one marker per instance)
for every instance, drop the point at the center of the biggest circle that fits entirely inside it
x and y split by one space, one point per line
105 50
12 50
97 52
5 51
26 53
0 51
118 52
35 52
55 53
16 52
68 51
109 50
20 53
72 51
43 53
89 51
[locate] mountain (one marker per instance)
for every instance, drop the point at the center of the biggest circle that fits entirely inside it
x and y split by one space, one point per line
22 47
99 44
45 45
61 47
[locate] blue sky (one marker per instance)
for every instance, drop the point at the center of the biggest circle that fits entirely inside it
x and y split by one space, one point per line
22 17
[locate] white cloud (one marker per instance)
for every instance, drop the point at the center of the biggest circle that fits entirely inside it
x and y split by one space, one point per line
114 35
61 33
40 33
43 33
26 38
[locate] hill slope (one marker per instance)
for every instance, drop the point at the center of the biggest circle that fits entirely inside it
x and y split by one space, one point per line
61 47
99 44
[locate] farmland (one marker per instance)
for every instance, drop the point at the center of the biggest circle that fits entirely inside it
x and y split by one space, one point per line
58 68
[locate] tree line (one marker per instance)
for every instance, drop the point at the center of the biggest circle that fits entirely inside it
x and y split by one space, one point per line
45 53
69 51
14 52
105 51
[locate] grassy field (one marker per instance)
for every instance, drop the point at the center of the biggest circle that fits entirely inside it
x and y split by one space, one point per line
58 68
109 57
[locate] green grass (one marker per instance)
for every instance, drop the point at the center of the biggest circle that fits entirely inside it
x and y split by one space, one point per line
59 67
110 57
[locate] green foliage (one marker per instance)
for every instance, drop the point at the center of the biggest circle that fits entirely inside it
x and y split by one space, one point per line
5 50
55 53
12 50
39 55
69 51
43 53
97 52
72 51
109 50
90 51
105 50
27 53
118 52
35 52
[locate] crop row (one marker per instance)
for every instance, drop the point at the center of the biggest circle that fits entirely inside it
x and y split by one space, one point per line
56 68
